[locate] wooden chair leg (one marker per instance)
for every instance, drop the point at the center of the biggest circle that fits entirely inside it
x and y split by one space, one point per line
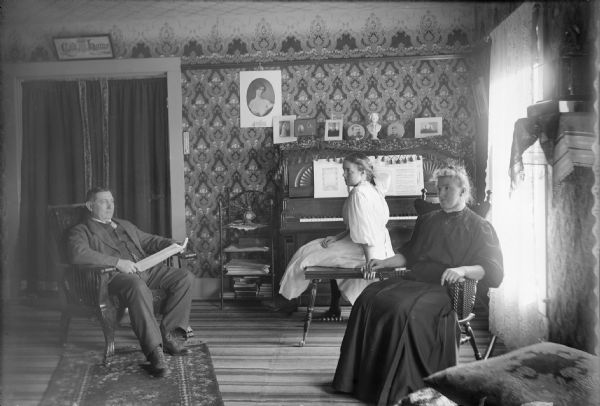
309 310
65 320
490 347
108 321
469 332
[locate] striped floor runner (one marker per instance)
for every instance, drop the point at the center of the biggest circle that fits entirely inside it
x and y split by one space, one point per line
255 352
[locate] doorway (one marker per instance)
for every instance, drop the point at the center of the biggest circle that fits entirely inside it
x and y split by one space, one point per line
16 150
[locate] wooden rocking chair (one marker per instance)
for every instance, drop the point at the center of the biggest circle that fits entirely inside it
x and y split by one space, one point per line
85 288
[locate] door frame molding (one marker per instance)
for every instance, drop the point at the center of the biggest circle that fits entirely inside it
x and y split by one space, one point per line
13 77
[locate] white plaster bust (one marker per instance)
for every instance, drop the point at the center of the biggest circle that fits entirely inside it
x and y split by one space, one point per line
373 127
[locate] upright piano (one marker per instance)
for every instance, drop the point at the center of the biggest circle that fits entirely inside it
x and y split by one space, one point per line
304 218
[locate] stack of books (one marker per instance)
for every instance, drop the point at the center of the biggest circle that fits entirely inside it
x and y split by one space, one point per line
242 266
246 286
265 289
249 242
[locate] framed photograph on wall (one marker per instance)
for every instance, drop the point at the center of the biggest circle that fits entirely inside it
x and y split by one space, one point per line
305 127
355 132
428 127
260 97
283 129
333 130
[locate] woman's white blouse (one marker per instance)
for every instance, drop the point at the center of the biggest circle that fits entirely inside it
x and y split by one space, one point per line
366 213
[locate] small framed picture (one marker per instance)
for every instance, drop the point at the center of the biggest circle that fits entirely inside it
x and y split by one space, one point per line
428 127
305 127
356 132
283 129
333 130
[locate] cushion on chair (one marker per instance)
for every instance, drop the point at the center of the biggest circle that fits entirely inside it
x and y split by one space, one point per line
543 372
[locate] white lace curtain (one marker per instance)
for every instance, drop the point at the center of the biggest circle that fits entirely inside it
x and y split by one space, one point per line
516 308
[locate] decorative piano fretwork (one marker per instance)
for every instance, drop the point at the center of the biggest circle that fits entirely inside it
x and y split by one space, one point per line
297 158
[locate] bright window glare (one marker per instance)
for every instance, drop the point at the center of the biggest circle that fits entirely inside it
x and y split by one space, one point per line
517 307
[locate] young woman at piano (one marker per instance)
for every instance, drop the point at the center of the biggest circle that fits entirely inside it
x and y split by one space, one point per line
400 331
365 213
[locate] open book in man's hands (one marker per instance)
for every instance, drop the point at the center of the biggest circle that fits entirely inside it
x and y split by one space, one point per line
161 255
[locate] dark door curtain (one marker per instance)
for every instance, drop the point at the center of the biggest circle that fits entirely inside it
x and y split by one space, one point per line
77 134
52 170
139 152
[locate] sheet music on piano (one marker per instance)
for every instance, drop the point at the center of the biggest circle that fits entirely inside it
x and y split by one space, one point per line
329 178
405 174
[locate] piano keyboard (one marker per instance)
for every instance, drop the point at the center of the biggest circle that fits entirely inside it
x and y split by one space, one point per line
333 219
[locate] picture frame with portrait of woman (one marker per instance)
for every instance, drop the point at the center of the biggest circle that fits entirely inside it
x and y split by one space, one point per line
283 129
333 130
260 97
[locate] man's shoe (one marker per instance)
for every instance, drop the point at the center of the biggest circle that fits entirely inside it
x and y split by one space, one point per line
158 364
172 346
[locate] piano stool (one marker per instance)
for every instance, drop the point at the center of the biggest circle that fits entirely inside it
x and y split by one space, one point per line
317 273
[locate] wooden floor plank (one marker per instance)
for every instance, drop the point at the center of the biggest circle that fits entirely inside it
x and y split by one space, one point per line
255 352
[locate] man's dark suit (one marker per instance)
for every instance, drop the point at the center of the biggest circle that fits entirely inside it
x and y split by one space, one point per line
91 242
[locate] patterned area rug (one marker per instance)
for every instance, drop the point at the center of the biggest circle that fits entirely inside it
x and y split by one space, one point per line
81 379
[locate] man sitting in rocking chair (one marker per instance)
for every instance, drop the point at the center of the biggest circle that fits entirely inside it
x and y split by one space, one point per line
102 240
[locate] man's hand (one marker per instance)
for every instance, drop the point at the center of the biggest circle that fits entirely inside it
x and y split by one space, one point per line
127 266
183 245
327 241
453 275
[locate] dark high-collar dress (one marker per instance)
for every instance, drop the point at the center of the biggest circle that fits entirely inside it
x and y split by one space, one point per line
401 331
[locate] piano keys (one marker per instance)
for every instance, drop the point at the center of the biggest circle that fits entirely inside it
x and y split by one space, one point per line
336 219
326 213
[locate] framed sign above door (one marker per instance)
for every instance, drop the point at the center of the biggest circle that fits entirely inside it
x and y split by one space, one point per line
87 47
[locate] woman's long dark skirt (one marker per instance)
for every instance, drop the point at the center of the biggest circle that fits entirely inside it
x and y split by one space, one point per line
398 333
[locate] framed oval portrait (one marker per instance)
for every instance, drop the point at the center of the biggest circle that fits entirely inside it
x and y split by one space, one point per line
260 97
356 132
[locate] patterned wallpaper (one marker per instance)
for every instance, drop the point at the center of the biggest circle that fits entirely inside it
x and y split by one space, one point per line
351 60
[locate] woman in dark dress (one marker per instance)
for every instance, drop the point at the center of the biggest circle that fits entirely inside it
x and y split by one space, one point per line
400 331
